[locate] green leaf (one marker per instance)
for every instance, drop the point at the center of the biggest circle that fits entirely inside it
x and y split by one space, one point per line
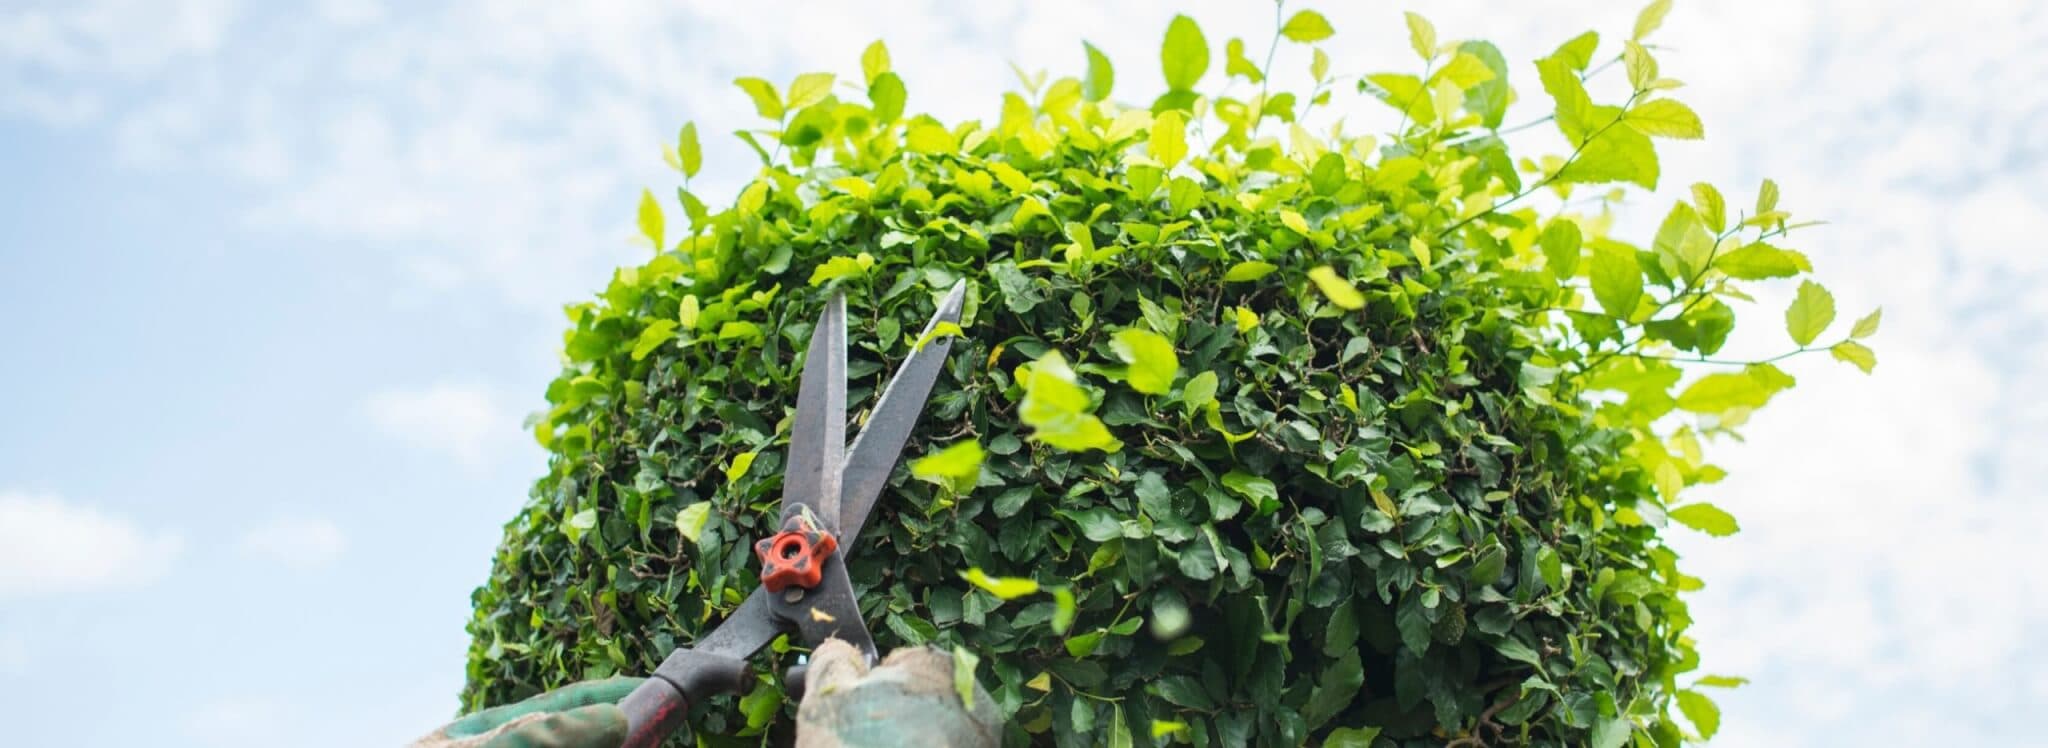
1055 406
842 267
941 330
1855 353
1867 326
657 332
964 663
1612 733
1712 210
690 520
887 94
1720 681
957 467
1421 35
651 220
1700 711
1235 63
1199 391
578 524
1153 363
1063 609
1307 26
808 89
1352 737
1339 290
1007 588
1101 77
766 101
1812 310
1169 142
1651 17
1185 55
1705 518
1722 391
1617 279
1084 644
1767 197
1759 261
1617 154
738 468
689 151
1162 728
1249 270
1335 689
1666 118
874 61
1560 241
1262 492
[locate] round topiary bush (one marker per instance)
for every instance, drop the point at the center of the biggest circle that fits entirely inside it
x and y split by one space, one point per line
1257 431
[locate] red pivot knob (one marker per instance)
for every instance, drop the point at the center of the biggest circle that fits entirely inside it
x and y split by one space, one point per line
795 556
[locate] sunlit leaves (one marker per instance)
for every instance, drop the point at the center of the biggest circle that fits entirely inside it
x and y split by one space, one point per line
1334 287
690 520
767 102
1812 310
1720 392
1651 17
1185 55
1421 35
1248 270
1169 140
1665 118
887 94
1560 243
1101 77
1854 353
1705 518
874 61
1617 279
842 267
1712 210
738 468
1307 26
1007 588
689 153
1759 261
808 89
957 467
1055 406
1235 63
650 219
1153 364
964 664
657 332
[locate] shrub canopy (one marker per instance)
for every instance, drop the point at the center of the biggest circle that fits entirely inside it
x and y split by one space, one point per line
1259 431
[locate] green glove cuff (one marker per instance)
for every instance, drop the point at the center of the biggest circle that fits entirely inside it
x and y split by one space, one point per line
584 715
566 698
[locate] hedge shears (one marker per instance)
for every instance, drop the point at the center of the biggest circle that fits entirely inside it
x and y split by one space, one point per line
828 488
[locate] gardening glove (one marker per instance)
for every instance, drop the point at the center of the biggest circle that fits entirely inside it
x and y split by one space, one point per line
907 700
583 715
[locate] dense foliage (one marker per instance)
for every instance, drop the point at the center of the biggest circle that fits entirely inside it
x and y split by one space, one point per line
1258 431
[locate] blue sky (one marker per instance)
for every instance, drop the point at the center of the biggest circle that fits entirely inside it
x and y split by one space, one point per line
282 279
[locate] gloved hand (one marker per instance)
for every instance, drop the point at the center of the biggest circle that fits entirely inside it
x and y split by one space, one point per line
583 715
907 700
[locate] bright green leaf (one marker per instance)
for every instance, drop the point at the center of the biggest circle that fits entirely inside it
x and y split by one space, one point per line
1185 55
1169 142
1307 26
808 89
690 520
1855 353
1617 279
1867 326
1007 588
1101 75
964 663
1249 270
1153 363
657 332
1705 518
874 61
1700 711
1651 17
766 101
1334 286
1421 35
887 94
1666 118
651 220
689 151
1758 261
957 467
1812 310
738 468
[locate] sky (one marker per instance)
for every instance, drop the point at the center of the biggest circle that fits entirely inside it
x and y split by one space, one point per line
280 281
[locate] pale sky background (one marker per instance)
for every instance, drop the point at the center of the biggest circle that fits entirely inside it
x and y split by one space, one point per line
280 281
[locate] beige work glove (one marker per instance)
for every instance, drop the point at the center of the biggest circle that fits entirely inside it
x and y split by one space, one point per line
909 699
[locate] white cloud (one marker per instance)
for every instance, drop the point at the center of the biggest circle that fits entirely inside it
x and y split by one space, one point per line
302 542
466 422
51 546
